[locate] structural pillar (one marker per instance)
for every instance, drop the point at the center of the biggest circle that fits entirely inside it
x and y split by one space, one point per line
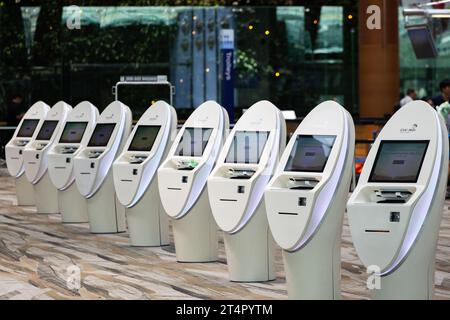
379 68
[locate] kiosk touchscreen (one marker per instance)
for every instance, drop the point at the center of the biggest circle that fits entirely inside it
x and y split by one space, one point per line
26 132
396 209
306 198
135 178
35 157
68 143
93 169
236 188
182 182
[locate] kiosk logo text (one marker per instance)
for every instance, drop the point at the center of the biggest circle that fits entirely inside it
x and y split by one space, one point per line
409 130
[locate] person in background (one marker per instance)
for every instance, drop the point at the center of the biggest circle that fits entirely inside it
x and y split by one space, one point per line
410 96
15 110
444 96
427 100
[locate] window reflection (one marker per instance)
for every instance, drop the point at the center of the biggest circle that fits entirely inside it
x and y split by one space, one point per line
290 55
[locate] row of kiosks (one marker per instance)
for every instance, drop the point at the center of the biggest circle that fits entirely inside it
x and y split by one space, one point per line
182 182
250 186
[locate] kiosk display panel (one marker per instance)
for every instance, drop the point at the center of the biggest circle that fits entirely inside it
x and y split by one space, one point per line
101 135
27 128
47 129
310 153
398 161
144 138
247 147
193 142
73 132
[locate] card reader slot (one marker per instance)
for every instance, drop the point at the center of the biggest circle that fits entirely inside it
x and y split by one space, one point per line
392 196
228 200
302 183
187 165
288 213
376 231
301 188
186 168
392 201
240 174
303 179
136 161
240 177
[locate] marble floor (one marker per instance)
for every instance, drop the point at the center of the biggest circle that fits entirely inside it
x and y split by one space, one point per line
40 257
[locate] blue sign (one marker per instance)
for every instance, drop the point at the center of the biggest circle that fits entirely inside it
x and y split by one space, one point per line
227 51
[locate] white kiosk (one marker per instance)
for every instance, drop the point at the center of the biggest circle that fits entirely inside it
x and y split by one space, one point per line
24 134
182 182
35 158
236 188
396 209
69 143
306 198
93 169
135 177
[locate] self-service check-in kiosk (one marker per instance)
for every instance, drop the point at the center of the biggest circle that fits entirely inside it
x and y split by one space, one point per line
24 134
306 198
93 169
182 182
396 209
35 158
236 188
69 142
135 177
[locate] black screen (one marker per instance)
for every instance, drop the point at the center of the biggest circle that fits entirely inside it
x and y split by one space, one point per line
398 161
247 147
47 129
193 142
27 128
73 132
101 135
144 138
310 153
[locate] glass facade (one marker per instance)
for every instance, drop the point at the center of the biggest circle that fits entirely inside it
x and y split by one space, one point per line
424 75
294 56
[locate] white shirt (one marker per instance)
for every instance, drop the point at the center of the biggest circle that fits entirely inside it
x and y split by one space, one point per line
405 100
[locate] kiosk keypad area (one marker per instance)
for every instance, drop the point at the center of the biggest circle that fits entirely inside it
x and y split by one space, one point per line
191 147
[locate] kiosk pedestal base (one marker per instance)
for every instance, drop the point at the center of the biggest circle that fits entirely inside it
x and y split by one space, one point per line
409 282
414 278
250 252
24 191
148 224
46 195
106 214
313 272
195 234
72 205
